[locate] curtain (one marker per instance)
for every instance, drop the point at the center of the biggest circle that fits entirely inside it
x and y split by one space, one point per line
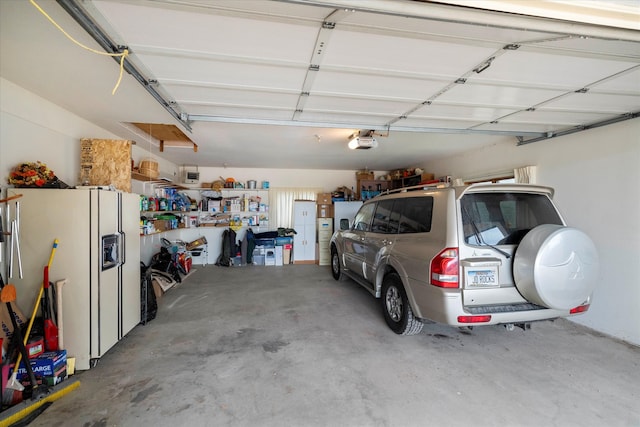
281 204
525 175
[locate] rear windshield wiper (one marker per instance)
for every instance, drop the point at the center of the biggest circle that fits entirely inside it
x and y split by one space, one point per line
478 235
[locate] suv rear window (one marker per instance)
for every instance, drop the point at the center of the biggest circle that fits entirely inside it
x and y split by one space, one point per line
504 218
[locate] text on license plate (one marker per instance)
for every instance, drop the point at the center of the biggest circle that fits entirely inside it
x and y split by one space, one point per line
482 277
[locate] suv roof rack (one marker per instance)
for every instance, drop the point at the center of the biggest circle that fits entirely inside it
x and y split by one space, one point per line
416 188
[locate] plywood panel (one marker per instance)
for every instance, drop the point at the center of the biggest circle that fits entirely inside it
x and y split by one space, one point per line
106 162
163 132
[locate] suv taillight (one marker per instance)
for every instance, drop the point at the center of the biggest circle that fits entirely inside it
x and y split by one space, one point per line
579 309
444 269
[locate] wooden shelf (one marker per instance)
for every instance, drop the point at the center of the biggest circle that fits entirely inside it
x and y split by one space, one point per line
409 181
164 183
373 183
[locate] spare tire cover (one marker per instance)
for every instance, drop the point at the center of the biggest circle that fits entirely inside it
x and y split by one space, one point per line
556 266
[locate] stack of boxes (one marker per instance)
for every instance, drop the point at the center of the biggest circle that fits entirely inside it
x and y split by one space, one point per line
284 246
49 368
273 251
325 227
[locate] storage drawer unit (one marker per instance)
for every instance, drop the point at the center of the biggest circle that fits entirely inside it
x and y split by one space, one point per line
325 230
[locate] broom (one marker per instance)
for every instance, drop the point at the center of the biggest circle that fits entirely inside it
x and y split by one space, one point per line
13 382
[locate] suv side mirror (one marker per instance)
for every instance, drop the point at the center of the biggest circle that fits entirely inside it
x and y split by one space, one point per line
344 224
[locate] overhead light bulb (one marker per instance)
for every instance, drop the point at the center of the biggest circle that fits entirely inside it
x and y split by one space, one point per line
362 140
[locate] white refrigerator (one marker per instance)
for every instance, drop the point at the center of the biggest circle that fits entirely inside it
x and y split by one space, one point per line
98 253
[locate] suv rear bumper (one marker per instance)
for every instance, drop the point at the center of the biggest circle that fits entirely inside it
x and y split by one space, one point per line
445 306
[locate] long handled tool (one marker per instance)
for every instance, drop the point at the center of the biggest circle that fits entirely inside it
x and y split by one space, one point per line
50 329
60 316
13 381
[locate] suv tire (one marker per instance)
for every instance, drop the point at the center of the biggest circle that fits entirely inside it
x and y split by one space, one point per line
336 268
556 266
397 310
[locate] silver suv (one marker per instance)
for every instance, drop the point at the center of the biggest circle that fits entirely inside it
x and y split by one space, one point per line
485 254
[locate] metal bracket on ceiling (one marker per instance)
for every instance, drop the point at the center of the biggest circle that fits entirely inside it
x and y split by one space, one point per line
512 46
319 49
581 128
342 125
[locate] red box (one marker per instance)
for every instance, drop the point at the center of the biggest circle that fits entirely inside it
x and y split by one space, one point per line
35 347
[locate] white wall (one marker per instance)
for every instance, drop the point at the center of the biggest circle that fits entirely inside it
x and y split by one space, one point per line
328 180
596 175
35 129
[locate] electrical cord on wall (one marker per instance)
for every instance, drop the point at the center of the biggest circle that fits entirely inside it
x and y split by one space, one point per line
122 55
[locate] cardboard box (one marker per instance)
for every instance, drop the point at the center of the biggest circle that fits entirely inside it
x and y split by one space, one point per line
45 365
286 253
426 177
56 379
323 198
6 332
35 347
362 175
200 241
157 289
325 211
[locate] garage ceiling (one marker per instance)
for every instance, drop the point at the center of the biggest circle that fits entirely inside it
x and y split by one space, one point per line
283 84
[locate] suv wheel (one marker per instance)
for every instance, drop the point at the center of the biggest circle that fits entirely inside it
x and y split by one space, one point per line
556 266
336 268
397 311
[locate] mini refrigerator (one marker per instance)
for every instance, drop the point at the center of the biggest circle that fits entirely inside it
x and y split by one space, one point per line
99 255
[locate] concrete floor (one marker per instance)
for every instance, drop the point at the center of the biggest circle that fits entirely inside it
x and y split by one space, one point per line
289 346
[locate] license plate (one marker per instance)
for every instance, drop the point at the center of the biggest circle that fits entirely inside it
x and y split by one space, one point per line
481 277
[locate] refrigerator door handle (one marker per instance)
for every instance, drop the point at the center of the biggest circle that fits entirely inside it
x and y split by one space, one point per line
123 245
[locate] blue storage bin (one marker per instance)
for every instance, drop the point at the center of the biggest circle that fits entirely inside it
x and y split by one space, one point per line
265 242
284 240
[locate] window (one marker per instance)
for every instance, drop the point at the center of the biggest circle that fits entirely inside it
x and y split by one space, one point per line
415 214
504 218
362 220
382 216
281 204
